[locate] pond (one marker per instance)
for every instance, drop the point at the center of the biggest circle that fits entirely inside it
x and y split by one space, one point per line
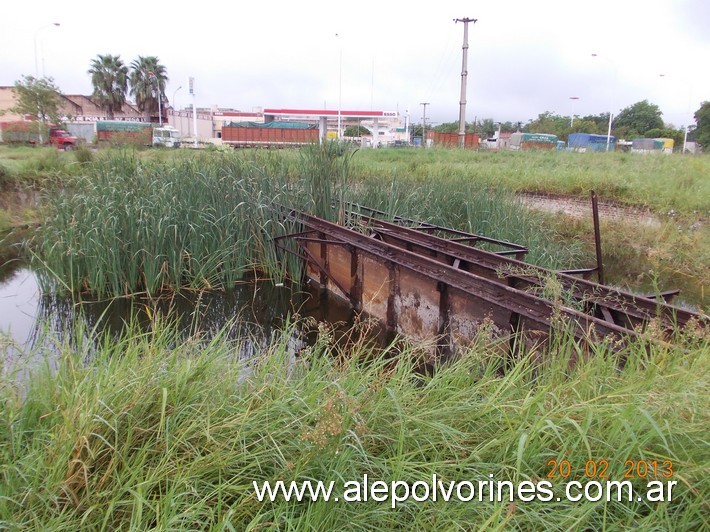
253 312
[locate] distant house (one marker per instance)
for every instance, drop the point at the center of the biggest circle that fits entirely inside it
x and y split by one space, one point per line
73 107
80 108
7 102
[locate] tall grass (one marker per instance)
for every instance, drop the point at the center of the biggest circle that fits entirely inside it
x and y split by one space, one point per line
131 225
135 224
659 182
458 203
154 433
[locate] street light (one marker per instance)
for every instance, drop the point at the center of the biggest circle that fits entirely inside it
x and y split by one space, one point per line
175 108
690 97
40 118
574 99
56 24
152 76
340 86
174 93
608 133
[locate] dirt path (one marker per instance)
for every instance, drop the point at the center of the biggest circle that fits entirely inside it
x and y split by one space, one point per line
582 208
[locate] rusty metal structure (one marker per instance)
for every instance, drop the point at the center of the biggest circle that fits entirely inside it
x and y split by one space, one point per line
428 282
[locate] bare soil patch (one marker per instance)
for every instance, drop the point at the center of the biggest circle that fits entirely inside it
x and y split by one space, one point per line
582 208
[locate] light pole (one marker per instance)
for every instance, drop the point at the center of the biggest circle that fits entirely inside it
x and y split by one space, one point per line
690 97
611 115
56 24
40 118
340 85
574 99
175 107
152 76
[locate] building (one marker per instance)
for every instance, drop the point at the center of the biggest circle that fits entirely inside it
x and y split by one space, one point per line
81 112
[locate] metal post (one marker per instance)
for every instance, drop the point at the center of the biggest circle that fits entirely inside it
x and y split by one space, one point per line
175 107
574 99
40 116
160 106
464 76
608 133
153 77
56 24
340 87
597 238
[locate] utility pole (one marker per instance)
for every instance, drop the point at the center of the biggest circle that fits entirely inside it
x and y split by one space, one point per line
424 104
464 76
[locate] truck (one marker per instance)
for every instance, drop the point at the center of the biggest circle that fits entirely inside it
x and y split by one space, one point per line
167 136
583 142
32 132
532 141
124 132
451 140
271 134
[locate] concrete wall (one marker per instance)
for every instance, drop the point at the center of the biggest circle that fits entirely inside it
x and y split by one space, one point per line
183 122
7 100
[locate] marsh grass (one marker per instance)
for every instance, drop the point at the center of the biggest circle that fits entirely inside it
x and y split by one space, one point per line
148 226
133 224
661 183
461 204
149 432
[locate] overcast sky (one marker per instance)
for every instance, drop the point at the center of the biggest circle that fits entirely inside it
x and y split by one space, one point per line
524 57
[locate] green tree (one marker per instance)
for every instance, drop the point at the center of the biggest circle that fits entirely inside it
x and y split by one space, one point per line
597 124
109 76
148 79
38 97
487 127
446 127
550 123
636 120
702 129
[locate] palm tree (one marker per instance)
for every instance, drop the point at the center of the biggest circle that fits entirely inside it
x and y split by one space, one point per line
109 76
148 80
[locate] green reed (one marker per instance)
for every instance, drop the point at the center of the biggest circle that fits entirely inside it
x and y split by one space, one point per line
458 203
133 225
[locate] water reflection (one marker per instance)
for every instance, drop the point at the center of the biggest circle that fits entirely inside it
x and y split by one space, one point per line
31 325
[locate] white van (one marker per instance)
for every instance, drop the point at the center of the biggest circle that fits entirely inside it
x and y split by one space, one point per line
166 136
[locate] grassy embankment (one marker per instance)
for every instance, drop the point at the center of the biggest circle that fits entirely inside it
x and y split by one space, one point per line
150 433
26 173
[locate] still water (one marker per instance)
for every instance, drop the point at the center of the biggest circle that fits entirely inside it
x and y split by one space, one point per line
31 323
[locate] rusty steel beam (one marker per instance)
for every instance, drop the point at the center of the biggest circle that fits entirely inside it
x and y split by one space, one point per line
533 308
516 249
637 309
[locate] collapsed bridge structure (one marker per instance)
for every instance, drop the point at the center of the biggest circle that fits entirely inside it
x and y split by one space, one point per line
428 282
